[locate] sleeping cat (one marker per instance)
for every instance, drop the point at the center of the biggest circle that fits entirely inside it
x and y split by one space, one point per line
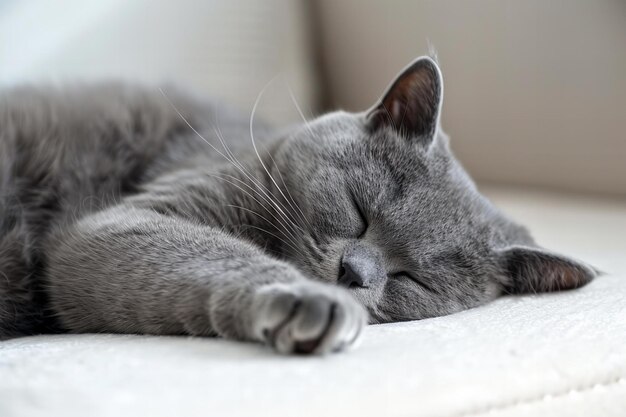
126 211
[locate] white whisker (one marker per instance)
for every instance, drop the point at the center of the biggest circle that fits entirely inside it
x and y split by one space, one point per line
295 102
251 177
285 231
254 107
240 168
264 230
287 189
189 124
265 198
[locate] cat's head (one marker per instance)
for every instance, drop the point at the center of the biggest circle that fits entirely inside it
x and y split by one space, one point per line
385 209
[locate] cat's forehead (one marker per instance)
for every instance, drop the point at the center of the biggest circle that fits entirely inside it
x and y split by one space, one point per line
346 139
383 169
379 166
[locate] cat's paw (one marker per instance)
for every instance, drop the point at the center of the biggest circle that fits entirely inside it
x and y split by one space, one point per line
307 317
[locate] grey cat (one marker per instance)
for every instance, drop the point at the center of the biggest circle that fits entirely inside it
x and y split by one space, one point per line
121 212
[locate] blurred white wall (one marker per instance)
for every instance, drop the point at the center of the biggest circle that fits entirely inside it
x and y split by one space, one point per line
225 48
535 90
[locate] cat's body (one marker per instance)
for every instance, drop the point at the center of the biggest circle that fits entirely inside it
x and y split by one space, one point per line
119 214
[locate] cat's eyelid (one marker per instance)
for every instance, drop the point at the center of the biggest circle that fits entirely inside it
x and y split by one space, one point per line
361 213
362 216
416 280
356 204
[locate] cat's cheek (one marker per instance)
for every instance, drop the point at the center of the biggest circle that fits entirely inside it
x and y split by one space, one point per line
324 268
369 297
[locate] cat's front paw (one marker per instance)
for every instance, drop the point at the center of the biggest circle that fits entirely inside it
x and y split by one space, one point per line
307 317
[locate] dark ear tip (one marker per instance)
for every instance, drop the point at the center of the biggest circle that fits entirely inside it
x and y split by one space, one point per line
530 269
588 275
433 64
425 62
591 272
596 272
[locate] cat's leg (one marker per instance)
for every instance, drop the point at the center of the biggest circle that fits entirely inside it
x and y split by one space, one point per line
137 271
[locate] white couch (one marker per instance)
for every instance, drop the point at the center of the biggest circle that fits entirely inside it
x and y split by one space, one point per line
553 354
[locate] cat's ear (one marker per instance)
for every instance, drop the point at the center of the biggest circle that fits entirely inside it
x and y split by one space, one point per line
412 103
532 270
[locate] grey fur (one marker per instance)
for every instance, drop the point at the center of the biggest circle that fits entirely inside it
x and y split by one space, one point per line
116 216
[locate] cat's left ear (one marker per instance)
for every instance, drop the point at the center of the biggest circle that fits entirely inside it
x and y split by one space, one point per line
532 270
412 104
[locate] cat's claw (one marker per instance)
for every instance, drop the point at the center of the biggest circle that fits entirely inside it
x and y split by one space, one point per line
307 317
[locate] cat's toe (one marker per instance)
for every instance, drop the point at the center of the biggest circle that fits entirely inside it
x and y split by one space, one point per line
345 324
310 318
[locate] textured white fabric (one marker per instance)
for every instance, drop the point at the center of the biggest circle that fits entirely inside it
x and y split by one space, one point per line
553 354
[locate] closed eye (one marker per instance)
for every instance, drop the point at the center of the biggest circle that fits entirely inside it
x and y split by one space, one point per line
362 216
412 277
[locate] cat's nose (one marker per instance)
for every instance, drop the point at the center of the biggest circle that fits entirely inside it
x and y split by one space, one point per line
349 276
361 266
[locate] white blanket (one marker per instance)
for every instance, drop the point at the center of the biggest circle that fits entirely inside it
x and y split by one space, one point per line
554 354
